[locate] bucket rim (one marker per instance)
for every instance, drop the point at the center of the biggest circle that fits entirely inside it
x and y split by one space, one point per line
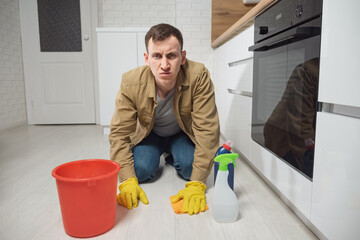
65 179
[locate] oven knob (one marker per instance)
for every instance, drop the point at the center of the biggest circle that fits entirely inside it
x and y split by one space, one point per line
299 11
263 30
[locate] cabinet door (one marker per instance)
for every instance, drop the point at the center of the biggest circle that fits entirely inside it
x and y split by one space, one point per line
237 124
117 54
291 183
336 184
339 60
219 78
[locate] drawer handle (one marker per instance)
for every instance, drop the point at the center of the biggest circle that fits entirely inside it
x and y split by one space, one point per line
239 92
232 64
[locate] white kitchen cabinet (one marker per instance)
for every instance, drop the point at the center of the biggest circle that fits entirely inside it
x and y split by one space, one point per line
289 182
119 50
336 188
336 182
237 126
219 77
232 76
331 201
339 60
238 47
234 109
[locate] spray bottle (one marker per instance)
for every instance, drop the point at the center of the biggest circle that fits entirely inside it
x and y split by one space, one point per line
225 148
225 204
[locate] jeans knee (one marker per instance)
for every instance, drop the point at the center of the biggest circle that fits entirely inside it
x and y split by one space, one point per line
144 173
184 169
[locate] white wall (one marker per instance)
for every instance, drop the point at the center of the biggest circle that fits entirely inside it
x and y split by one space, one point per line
12 91
191 17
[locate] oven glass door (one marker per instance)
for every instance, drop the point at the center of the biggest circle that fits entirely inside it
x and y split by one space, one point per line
285 89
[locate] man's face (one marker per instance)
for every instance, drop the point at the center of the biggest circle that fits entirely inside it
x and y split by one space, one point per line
164 59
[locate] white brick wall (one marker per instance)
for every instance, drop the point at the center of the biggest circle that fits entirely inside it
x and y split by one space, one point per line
12 91
191 17
136 13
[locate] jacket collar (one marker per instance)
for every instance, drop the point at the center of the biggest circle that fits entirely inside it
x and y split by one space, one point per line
182 81
151 88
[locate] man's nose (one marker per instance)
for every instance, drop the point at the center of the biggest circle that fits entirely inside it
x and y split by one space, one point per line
165 63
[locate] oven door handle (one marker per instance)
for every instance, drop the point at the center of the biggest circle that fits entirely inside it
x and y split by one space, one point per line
290 36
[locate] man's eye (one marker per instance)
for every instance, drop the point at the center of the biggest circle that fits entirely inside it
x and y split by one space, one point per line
171 55
157 56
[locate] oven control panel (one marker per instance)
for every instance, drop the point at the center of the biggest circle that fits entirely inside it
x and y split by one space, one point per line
285 14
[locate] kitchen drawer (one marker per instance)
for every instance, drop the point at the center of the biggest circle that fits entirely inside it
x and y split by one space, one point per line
230 82
240 74
236 124
237 47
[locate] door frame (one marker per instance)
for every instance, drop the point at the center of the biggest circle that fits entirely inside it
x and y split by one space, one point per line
26 57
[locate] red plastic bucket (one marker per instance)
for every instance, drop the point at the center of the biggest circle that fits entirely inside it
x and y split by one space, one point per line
87 195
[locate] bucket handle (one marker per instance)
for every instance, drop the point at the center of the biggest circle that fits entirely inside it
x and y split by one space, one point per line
91 183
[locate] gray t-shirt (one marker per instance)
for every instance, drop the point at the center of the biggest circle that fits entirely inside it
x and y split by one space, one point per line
165 121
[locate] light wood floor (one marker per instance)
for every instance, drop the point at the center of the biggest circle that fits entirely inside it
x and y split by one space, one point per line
29 207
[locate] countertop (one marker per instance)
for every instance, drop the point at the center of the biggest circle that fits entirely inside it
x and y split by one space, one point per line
244 22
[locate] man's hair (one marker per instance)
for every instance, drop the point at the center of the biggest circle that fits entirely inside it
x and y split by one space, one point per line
161 32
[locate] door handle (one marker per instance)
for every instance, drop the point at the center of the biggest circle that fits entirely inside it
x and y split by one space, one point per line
86 37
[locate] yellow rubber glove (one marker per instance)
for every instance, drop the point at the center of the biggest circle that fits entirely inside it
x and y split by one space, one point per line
194 197
130 192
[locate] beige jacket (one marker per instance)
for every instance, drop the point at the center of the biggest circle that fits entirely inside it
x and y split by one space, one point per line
194 107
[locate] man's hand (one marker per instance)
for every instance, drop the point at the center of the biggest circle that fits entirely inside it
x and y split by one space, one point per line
130 192
194 197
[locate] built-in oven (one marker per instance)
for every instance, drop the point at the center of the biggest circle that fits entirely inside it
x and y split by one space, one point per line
285 81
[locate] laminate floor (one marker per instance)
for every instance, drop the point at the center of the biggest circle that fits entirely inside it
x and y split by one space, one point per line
29 206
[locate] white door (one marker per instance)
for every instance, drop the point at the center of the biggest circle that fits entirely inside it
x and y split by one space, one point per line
57 55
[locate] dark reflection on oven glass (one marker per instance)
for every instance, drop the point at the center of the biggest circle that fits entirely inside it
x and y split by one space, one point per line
290 130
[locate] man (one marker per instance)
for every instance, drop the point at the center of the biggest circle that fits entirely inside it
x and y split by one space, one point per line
166 106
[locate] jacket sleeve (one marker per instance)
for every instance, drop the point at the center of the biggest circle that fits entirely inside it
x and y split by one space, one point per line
123 125
205 126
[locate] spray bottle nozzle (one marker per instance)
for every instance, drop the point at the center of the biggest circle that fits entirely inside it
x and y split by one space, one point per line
225 159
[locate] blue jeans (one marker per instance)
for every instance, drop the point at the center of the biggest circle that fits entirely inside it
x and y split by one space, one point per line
147 155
